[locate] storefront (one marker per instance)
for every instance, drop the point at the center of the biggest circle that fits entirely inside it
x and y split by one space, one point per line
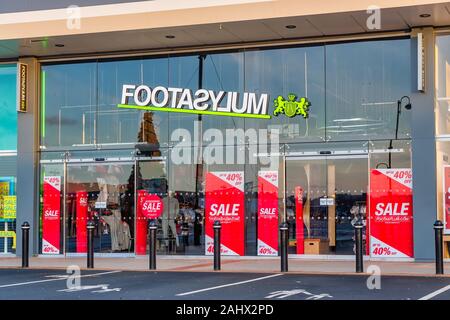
442 135
307 134
8 158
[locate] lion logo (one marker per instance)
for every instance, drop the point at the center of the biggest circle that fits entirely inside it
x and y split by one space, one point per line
291 107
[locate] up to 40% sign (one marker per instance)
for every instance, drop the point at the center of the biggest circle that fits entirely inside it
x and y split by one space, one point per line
383 251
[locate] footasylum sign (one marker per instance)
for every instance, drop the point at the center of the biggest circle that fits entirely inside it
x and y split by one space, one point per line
202 101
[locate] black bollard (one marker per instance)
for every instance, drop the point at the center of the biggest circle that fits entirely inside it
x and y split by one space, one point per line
284 246
25 244
217 228
90 244
359 245
152 245
438 229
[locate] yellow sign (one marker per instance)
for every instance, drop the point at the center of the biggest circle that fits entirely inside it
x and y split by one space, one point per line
22 73
9 207
4 188
9 234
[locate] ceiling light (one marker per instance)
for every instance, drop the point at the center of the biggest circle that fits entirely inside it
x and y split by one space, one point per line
37 40
425 15
291 26
169 36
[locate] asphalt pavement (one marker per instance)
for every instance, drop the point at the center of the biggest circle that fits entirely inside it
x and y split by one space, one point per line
146 285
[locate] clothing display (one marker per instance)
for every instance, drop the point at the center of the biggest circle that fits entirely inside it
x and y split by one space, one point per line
125 236
109 190
119 231
103 194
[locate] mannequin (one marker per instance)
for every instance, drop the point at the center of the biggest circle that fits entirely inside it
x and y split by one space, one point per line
125 236
170 211
114 223
198 221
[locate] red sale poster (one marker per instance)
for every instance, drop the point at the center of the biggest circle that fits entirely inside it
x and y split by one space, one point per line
299 233
141 224
224 202
152 206
391 213
268 213
446 193
81 222
51 227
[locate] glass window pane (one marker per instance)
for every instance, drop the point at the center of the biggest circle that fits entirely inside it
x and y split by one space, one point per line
186 186
8 157
104 194
364 82
183 73
443 196
8 125
442 84
382 157
68 104
224 72
154 126
280 72
116 126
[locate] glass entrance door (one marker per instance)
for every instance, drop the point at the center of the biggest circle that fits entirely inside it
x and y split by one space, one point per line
324 195
151 179
104 193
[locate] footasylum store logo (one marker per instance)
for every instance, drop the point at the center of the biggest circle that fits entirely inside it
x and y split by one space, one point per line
291 107
209 102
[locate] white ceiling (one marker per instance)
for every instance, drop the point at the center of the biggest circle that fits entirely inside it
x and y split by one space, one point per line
228 33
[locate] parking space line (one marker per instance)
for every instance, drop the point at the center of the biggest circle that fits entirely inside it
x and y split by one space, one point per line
228 285
435 293
57 279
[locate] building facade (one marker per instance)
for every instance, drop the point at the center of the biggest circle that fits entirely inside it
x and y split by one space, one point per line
251 113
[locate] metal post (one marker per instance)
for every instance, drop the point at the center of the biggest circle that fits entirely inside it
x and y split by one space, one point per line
90 244
284 246
25 244
217 228
152 245
359 245
438 229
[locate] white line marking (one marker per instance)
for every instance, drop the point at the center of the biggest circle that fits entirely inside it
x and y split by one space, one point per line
59 279
435 293
229 285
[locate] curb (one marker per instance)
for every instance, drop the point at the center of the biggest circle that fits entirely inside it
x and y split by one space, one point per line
310 273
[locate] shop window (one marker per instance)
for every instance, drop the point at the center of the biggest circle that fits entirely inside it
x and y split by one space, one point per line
442 132
186 185
183 73
364 82
224 72
443 190
352 88
280 72
122 126
8 158
442 85
382 157
68 105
